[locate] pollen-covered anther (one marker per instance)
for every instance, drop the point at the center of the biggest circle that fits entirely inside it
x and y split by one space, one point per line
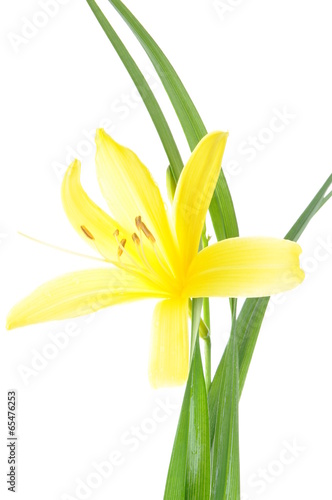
136 239
142 227
121 247
87 233
116 233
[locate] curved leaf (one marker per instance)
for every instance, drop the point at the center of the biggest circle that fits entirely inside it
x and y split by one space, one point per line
252 313
143 88
221 208
189 469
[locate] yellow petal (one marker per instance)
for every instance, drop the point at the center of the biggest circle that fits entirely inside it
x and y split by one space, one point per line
245 267
130 191
194 192
91 222
79 293
169 355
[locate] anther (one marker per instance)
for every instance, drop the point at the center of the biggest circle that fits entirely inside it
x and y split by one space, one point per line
148 233
135 238
121 247
87 233
116 233
140 225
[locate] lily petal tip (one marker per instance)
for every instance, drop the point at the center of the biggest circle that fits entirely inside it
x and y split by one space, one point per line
76 164
101 135
10 324
74 167
219 134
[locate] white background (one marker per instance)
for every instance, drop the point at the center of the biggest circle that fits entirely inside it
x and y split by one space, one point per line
240 61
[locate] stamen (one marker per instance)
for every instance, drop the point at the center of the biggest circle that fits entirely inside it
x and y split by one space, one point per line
87 233
91 237
148 233
122 243
138 242
121 248
140 225
135 238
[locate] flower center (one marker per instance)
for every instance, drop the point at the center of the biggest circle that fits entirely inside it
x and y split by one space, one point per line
154 268
152 264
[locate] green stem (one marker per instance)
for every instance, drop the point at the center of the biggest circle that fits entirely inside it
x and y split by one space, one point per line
206 312
207 339
207 361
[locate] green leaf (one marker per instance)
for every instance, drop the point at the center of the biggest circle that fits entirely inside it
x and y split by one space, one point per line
189 469
252 313
249 323
143 88
203 329
314 206
221 209
225 476
187 113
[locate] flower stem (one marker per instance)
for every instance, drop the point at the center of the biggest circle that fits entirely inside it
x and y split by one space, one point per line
207 339
207 357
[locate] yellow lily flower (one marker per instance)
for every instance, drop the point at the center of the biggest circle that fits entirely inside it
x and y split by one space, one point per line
154 253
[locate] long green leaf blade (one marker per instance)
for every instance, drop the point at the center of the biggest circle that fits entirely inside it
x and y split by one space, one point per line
314 206
184 107
189 470
225 477
176 483
249 324
143 88
221 209
198 453
252 313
